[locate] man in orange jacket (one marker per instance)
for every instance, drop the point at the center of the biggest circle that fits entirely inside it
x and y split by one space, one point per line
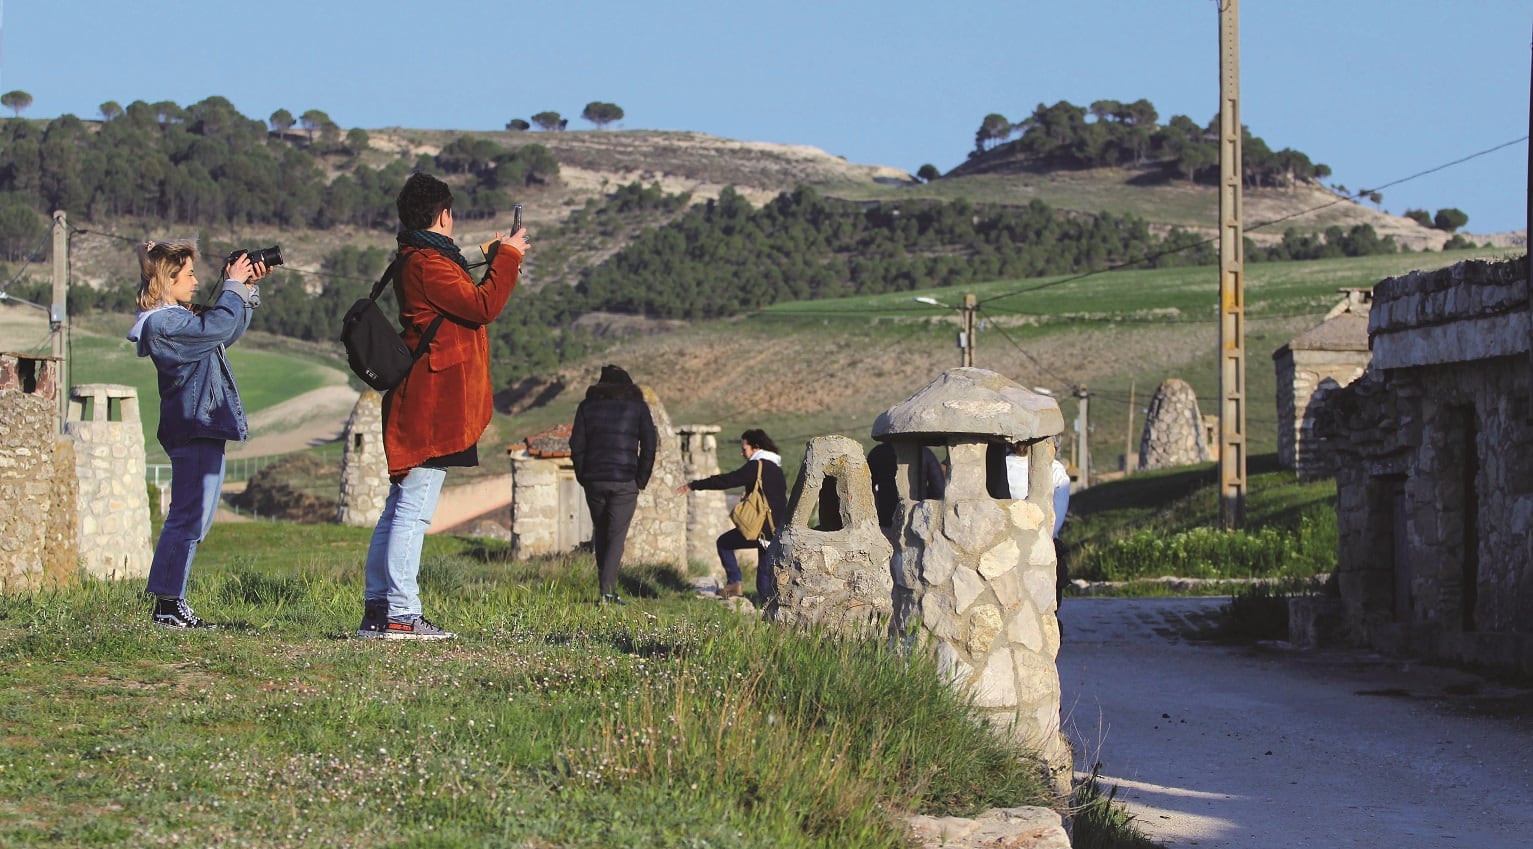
433 419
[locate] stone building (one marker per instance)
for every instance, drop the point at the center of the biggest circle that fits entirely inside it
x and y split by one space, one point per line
548 507
1174 433
548 510
1434 469
1326 357
104 424
39 524
838 578
973 573
364 465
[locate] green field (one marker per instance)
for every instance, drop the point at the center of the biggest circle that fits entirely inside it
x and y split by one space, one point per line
1121 333
265 377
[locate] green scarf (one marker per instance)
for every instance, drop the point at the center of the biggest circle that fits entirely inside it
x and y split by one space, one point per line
428 240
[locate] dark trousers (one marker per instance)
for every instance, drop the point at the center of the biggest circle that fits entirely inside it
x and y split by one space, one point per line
731 541
611 504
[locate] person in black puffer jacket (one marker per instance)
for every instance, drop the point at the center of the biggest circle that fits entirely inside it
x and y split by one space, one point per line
612 446
763 461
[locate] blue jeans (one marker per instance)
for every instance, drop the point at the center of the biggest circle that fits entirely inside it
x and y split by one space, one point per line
394 555
196 483
731 541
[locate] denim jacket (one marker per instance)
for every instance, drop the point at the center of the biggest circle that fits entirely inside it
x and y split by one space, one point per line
198 398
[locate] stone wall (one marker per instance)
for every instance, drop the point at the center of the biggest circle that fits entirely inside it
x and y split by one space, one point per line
39 525
659 530
1173 432
548 510
364 465
113 499
1435 471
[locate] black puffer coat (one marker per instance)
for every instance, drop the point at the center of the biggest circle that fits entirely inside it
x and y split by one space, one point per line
614 435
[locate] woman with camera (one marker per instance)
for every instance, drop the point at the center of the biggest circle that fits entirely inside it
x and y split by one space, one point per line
200 406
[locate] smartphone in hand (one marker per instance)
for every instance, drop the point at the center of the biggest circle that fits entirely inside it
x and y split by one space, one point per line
516 218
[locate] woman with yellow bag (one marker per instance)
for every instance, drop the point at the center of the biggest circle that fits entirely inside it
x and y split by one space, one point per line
759 514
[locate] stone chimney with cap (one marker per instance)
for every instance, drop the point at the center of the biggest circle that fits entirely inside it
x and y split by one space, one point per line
974 573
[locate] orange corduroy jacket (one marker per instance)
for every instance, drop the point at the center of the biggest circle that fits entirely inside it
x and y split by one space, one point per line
444 404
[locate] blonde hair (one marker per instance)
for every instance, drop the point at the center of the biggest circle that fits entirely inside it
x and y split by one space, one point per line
158 264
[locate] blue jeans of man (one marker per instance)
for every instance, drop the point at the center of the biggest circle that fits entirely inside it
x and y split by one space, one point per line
196 484
394 555
611 504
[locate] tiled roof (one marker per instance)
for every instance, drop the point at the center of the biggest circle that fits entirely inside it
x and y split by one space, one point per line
551 443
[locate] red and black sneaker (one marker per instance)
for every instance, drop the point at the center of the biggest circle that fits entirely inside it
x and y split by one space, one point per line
415 628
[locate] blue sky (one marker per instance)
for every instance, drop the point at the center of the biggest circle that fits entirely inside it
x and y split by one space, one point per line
1377 89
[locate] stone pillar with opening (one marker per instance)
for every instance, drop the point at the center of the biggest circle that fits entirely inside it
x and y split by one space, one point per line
974 573
364 465
836 575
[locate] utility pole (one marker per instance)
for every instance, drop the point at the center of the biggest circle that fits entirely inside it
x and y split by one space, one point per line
1083 434
58 312
1232 345
970 307
1128 434
966 334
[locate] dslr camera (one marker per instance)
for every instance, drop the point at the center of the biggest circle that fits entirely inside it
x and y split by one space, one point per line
270 257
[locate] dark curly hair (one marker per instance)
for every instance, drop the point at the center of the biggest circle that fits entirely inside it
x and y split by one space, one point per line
421 200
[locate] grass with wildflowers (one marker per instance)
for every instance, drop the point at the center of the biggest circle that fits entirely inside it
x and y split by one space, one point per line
549 722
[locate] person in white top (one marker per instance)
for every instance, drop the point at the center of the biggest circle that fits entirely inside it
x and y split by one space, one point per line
1061 481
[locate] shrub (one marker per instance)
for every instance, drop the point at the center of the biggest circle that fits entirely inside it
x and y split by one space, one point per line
1268 552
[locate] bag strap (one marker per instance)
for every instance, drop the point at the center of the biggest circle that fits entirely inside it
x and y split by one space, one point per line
761 465
430 332
388 274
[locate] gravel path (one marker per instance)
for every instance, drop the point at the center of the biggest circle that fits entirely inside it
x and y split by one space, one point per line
1221 747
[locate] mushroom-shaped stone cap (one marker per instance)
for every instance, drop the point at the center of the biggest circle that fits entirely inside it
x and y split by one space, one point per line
971 401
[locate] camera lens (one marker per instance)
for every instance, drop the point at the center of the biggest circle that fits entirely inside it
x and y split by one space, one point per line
271 256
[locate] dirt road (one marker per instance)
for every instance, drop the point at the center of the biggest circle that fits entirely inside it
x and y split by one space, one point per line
1220 747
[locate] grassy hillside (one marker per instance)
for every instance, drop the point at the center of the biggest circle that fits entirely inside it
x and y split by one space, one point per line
1161 523
549 722
595 162
830 366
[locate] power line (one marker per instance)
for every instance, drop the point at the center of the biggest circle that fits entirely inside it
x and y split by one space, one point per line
35 251
1062 383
